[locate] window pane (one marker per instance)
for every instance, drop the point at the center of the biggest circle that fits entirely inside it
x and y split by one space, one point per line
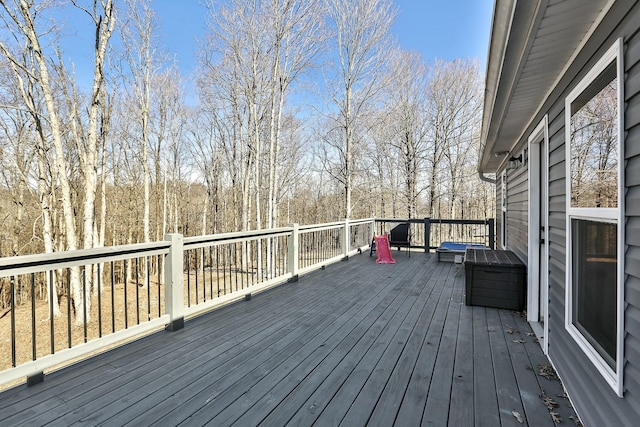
594 284
594 144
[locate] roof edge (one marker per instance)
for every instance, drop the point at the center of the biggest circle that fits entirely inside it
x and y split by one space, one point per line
502 19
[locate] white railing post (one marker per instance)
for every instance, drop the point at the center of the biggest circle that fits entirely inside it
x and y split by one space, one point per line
346 239
173 279
293 250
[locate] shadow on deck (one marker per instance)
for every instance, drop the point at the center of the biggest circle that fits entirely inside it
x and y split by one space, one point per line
355 344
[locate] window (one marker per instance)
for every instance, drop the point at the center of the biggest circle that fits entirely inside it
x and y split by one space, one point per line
594 297
594 267
503 223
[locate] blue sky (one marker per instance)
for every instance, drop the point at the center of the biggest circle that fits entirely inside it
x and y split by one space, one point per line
444 29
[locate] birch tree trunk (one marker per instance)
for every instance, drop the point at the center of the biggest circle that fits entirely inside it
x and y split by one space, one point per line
24 131
138 32
103 18
25 27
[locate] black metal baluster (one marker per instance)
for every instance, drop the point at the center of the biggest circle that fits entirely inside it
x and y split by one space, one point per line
99 301
276 255
218 270
235 262
13 320
252 261
224 272
273 247
303 256
51 314
125 279
253 265
137 292
278 241
211 272
33 316
241 266
148 287
328 244
69 306
269 259
159 277
84 302
283 250
188 256
230 260
204 277
113 302
196 270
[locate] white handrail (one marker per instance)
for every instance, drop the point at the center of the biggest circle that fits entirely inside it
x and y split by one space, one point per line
173 249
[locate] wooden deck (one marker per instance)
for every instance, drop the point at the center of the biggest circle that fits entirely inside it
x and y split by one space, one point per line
354 344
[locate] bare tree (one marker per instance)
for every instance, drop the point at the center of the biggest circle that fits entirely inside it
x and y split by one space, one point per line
20 19
362 40
383 165
207 154
140 48
406 101
23 146
103 17
296 31
454 108
234 68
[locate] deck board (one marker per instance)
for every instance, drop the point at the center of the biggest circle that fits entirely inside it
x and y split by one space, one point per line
395 388
335 369
412 406
485 404
436 411
354 344
213 387
368 397
526 379
461 411
509 403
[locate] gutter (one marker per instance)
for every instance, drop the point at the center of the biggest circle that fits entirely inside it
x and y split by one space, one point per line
484 178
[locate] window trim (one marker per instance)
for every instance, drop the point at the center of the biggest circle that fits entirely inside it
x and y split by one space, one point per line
538 261
616 215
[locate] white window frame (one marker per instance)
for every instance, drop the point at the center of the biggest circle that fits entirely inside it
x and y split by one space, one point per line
612 215
503 219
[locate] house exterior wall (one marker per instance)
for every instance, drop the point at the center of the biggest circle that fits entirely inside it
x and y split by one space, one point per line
594 399
517 210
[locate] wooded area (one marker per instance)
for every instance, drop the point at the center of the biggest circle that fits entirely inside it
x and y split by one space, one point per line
299 111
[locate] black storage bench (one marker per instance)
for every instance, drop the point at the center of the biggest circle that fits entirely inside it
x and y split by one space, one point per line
494 279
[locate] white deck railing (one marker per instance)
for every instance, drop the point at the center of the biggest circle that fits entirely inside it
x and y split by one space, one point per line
133 290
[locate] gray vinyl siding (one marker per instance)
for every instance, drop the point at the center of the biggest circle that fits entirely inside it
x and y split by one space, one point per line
518 210
593 398
498 235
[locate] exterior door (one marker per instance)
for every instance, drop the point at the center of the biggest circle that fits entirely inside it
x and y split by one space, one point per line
538 252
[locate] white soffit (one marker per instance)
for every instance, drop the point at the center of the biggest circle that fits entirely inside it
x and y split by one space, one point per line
542 37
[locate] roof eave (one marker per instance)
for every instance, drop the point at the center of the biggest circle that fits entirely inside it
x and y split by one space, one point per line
500 29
